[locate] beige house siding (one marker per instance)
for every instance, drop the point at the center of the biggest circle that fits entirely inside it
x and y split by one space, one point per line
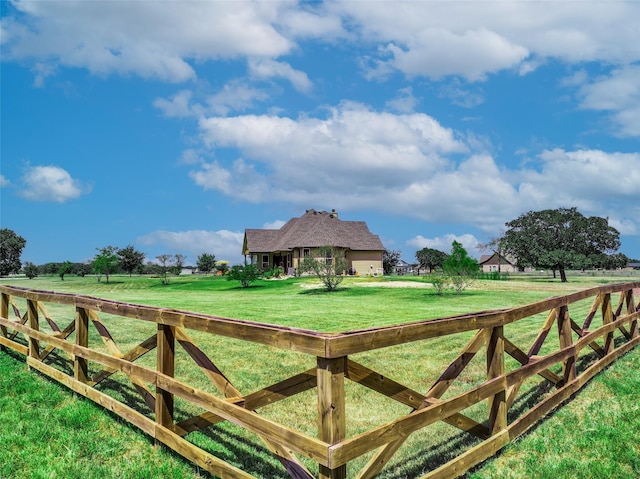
366 262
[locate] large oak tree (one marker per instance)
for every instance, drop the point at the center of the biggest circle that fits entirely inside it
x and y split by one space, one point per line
556 239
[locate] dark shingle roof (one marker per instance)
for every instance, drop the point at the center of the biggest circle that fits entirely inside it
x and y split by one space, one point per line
313 229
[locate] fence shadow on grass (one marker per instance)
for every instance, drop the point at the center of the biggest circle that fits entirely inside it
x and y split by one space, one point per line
231 437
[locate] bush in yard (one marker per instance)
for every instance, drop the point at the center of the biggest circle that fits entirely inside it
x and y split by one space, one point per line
461 269
246 274
276 272
439 282
328 265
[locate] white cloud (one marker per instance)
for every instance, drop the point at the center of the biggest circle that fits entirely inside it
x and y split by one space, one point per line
443 243
235 96
166 40
618 93
474 39
266 69
473 54
460 96
179 106
596 178
4 181
149 39
50 183
404 102
407 165
224 244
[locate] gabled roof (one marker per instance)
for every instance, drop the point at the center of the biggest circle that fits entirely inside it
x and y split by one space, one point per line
312 230
495 258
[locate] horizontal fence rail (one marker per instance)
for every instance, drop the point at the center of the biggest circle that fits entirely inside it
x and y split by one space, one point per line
520 379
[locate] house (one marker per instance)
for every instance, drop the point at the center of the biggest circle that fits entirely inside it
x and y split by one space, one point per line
402 268
490 263
288 246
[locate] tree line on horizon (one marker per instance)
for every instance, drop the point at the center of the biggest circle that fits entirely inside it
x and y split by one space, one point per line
555 239
108 260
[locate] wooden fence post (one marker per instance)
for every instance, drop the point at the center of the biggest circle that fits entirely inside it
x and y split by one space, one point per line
631 308
331 409
80 365
4 313
566 340
32 316
166 342
495 368
607 318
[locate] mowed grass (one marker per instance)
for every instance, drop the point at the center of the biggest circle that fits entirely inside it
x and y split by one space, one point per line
360 303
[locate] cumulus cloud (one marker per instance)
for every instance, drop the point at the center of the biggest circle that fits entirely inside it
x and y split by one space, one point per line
235 96
50 183
618 93
165 40
353 153
472 40
266 69
477 53
404 164
149 39
226 245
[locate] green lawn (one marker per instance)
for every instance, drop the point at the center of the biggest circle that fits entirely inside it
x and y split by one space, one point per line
77 428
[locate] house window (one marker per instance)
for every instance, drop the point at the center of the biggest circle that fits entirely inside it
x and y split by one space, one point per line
306 252
328 259
265 261
254 259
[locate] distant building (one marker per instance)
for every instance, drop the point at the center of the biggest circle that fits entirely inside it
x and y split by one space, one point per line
490 263
299 237
402 268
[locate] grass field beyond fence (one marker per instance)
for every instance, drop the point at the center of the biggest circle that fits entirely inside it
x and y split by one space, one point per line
607 409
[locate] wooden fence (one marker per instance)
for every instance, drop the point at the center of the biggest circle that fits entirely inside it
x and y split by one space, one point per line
579 350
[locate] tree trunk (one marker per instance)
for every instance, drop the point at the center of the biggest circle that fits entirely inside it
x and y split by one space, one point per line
563 275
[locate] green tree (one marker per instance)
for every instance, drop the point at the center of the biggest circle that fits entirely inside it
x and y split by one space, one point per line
555 239
64 269
431 258
328 264
166 262
616 260
30 270
206 262
460 267
130 259
178 260
246 274
390 259
11 246
106 262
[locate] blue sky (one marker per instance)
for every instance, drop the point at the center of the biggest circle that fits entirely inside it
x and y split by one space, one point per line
173 126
